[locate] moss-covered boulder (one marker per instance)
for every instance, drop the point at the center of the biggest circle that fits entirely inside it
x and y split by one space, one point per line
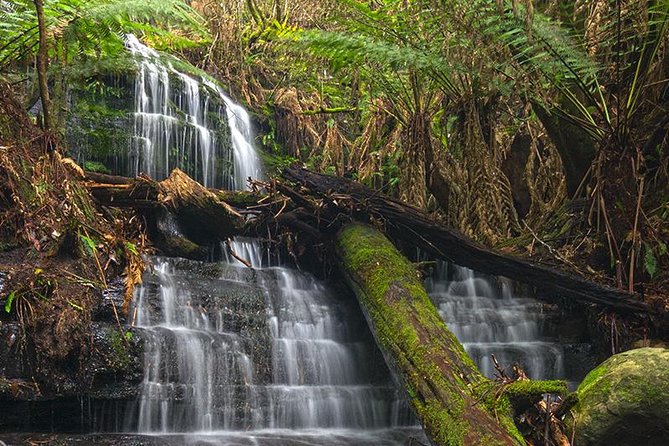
625 401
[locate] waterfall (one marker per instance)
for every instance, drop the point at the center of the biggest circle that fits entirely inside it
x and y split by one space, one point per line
235 355
488 318
230 349
178 123
246 162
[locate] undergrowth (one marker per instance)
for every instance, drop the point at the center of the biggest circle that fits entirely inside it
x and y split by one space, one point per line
60 249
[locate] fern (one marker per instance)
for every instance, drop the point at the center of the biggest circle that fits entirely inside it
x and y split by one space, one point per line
94 27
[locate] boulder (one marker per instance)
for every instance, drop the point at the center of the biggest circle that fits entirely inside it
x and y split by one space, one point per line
624 401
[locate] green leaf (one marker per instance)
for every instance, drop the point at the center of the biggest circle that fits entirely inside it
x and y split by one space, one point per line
89 244
10 299
132 248
649 261
128 335
75 306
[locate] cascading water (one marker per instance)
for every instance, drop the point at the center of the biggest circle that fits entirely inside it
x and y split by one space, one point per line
177 124
245 158
230 349
234 355
488 319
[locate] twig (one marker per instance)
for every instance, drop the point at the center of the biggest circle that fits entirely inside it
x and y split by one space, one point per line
500 371
237 256
630 285
550 248
285 203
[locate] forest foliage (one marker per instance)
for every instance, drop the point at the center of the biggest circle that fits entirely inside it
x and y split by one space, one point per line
535 126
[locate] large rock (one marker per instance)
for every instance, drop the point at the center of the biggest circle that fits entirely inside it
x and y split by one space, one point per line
625 401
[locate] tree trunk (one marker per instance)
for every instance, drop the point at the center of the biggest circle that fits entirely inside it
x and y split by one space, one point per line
576 148
340 197
454 402
42 63
514 168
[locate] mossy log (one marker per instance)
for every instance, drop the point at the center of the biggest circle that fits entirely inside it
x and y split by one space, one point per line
525 393
339 199
454 402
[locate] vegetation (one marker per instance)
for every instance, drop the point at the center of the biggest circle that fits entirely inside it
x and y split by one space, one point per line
536 127
509 119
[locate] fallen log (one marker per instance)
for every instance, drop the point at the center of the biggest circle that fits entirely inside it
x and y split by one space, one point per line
201 215
337 197
454 402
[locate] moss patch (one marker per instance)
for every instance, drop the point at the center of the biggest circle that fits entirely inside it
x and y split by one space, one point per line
523 394
624 400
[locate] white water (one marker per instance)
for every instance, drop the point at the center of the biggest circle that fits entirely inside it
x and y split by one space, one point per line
245 157
256 356
488 318
176 125
206 370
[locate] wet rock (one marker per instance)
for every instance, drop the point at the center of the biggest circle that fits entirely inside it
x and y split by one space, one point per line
11 365
83 440
579 359
94 399
111 303
624 401
116 366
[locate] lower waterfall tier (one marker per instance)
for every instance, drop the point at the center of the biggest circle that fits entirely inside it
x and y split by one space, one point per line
230 349
489 317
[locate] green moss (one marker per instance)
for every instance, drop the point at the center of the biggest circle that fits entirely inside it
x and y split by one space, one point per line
528 387
623 400
523 394
119 357
595 375
94 166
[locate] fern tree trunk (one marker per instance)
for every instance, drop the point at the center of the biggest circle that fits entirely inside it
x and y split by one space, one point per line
576 148
454 402
42 63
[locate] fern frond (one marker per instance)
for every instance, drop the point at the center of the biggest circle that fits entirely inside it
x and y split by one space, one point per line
89 26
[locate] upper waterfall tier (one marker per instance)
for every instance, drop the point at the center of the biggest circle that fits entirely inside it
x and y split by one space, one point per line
174 120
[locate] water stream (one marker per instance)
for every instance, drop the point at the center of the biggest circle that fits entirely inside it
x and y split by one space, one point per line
177 123
488 317
234 355
265 354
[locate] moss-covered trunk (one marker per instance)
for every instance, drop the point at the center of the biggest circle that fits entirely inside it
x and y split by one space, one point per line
454 402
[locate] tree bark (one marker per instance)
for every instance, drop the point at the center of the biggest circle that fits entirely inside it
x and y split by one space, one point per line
42 63
201 214
514 169
576 148
454 402
340 197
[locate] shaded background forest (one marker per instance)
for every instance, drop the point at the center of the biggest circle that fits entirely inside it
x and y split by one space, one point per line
536 127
